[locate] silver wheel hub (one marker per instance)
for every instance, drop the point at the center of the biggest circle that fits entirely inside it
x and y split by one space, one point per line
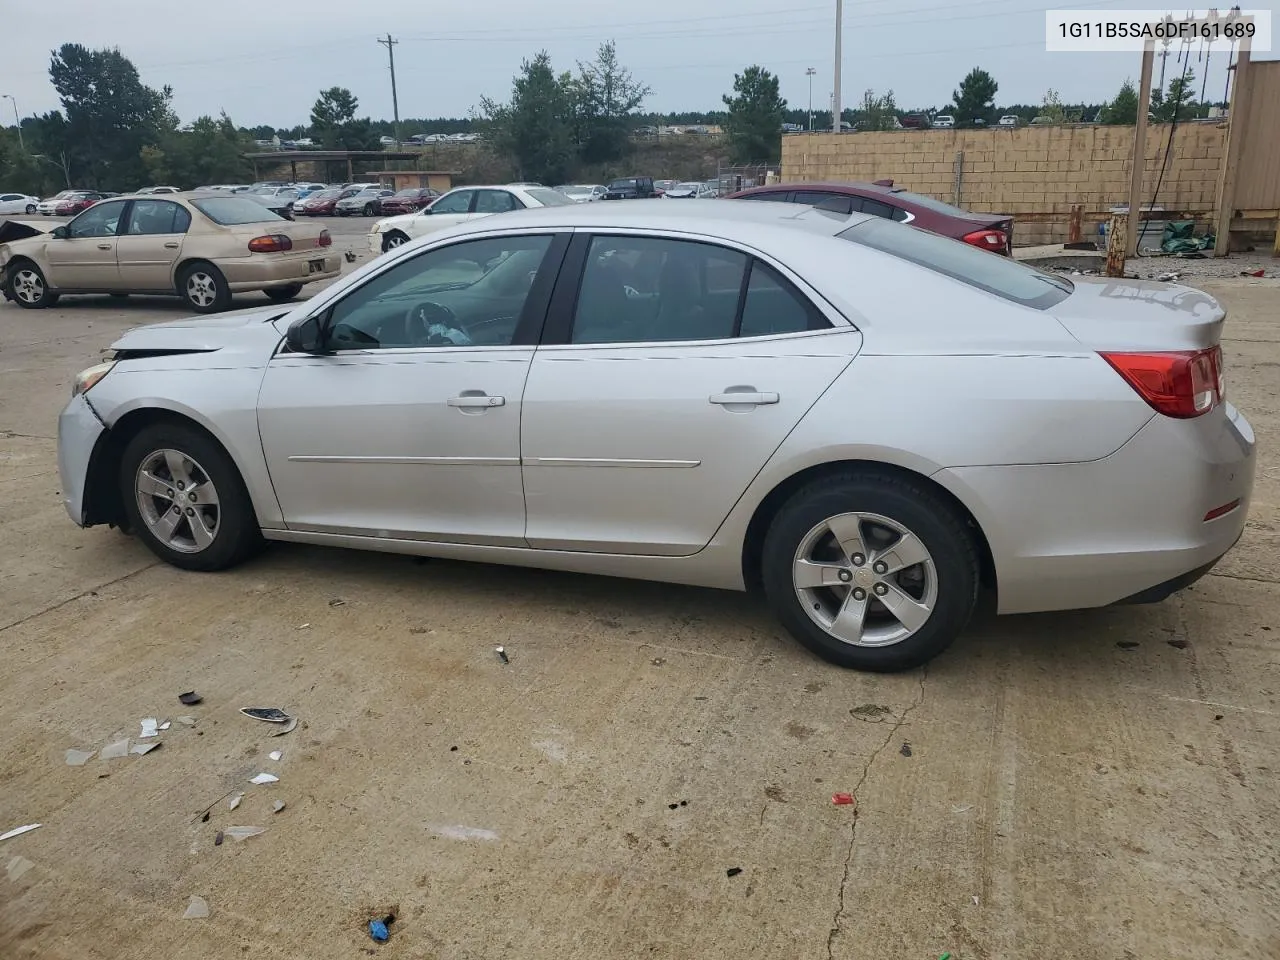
201 289
865 579
177 501
28 286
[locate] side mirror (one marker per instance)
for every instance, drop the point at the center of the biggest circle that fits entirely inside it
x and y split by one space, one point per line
60 233
306 336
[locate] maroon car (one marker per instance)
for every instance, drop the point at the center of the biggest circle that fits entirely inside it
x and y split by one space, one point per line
409 200
319 204
76 203
882 199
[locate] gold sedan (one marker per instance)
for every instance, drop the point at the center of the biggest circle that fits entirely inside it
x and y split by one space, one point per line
202 247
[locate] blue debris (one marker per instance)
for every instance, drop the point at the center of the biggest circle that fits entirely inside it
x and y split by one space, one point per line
378 930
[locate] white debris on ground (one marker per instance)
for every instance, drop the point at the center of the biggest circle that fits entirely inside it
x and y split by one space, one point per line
1210 268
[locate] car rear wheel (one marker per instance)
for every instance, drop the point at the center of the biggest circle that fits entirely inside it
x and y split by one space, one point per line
871 571
369 211
393 239
29 288
184 497
204 288
282 294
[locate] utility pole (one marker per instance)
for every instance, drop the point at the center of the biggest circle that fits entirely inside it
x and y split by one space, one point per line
835 97
395 102
810 73
18 120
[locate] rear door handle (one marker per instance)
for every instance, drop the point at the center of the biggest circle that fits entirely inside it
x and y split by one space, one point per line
172 246
104 246
472 400
744 397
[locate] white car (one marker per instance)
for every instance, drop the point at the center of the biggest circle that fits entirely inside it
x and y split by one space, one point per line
11 203
943 120
1009 120
862 421
690 190
583 192
459 206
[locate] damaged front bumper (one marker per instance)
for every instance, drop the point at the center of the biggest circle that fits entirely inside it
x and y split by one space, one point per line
79 431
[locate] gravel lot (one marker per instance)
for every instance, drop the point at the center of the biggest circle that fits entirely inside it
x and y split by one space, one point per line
1089 785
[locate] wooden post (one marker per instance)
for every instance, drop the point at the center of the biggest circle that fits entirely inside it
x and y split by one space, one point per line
1237 119
1073 230
1116 245
1139 161
959 184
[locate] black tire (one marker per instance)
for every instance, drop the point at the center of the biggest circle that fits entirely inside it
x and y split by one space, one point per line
31 208
912 505
27 286
203 287
393 239
369 211
341 213
236 534
283 294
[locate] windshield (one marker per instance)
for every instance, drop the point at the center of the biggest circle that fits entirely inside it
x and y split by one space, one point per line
324 195
687 186
1002 276
547 197
621 184
230 211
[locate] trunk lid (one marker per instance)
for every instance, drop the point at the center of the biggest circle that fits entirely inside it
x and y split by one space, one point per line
305 235
1140 315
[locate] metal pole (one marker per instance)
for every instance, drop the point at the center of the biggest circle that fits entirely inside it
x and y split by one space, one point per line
395 102
1139 162
835 97
18 120
809 73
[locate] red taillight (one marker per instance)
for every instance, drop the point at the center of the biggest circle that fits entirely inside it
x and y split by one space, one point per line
1221 511
987 239
274 243
1181 384
325 239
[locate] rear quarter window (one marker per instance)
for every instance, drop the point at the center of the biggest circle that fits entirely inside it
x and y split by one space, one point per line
1002 276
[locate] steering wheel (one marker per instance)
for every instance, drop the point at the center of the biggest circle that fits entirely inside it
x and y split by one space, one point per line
433 324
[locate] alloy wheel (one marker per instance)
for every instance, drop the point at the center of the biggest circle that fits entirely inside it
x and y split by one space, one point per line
28 286
394 240
177 501
865 579
202 289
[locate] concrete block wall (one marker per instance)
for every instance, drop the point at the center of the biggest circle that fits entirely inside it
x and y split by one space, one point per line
1034 173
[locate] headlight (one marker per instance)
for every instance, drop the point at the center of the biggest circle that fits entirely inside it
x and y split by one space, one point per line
86 379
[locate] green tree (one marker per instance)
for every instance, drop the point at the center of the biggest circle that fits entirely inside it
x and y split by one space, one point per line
1180 100
878 113
754 124
1123 110
334 123
535 127
206 151
1052 108
975 98
110 115
605 99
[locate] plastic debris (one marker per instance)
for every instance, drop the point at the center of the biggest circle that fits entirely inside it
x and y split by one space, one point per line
905 749
465 833
337 602
1169 277
197 909
1253 273
78 758
143 748
114 751
190 698
733 871
267 714
975 901
842 799
150 725
186 721
19 831
17 867
275 755
235 801
218 838
304 626
378 931
166 725
286 728
502 654
264 778
277 806
243 833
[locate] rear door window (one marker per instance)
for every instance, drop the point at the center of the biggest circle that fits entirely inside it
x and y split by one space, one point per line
876 208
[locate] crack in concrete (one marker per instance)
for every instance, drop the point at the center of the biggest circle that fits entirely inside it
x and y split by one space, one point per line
84 593
1236 576
9 434
857 810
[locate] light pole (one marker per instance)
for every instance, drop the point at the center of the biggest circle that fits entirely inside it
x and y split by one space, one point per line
835 100
810 74
17 119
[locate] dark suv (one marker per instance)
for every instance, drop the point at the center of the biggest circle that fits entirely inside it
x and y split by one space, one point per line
630 188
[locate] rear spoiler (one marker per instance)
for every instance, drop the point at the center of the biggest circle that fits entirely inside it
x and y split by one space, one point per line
11 230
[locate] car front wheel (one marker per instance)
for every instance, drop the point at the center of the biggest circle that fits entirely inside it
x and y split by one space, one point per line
871 571
29 288
184 497
31 208
368 210
392 240
204 288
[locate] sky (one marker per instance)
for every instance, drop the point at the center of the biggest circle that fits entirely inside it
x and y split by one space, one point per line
264 63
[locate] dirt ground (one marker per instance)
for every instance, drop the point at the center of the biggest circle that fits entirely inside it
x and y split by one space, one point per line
1089 785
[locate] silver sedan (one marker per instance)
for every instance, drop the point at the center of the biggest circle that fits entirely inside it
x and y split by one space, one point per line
865 422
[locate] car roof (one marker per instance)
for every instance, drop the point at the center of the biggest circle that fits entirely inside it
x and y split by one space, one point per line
845 186
731 221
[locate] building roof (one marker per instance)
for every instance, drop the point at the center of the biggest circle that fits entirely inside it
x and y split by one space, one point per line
286 155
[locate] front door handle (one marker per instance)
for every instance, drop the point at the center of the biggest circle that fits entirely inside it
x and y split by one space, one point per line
172 246
104 246
748 397
473 400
